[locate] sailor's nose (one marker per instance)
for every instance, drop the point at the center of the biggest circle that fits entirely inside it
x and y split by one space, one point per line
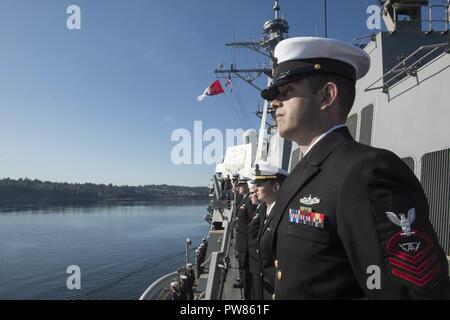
276 104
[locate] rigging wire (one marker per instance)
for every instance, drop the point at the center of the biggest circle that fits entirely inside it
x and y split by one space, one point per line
240 107
233 52
235 113
241 112
250 123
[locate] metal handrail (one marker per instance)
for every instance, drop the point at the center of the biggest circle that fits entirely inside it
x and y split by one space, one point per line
430 14
205 264
413 65
370 37
226 251
402 64
220 264
156 286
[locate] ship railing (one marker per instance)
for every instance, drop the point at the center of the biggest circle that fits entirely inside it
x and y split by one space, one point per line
159 287
402 69
362 41
214 278
206 264
217 187
218 267
221 198
226 241
441 7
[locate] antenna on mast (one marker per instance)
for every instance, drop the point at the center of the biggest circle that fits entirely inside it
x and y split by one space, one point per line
275 30
233 52
326 18
276 8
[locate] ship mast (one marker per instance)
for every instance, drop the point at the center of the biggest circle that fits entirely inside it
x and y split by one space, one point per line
275 30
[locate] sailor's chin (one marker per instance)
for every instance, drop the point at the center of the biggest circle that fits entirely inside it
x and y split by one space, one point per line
279 121
281 129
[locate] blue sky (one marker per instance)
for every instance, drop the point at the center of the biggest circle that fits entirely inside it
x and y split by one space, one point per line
100 104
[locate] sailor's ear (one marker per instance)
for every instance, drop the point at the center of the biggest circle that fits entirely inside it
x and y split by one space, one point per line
328 96
276 187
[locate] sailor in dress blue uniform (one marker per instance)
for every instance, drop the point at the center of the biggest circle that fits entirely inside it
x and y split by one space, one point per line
254 264
268 180
351 220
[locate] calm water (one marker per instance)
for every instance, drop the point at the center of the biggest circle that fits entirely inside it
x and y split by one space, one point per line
120 249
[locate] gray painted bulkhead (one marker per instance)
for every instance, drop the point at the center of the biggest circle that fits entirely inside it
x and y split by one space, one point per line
411 117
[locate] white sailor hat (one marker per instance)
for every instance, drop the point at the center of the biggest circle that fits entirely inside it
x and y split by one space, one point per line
243 178
183 277
251 184
303 56
189 265
173 284
265 171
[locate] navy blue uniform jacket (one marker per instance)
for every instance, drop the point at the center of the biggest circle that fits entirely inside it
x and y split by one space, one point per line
352 221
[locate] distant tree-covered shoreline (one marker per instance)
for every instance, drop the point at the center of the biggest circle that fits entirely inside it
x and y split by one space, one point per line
27 191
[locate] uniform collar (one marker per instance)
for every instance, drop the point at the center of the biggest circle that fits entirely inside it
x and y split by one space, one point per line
305 170
320 150
269 208
323 135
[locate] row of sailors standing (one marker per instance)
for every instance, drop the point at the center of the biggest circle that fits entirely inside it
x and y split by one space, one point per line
200 255
252 244
183 289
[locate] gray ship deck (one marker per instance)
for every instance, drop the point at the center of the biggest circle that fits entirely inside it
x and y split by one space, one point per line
214 245
220 244
230 293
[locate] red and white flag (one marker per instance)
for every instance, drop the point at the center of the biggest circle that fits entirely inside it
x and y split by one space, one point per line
214 89
229 84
